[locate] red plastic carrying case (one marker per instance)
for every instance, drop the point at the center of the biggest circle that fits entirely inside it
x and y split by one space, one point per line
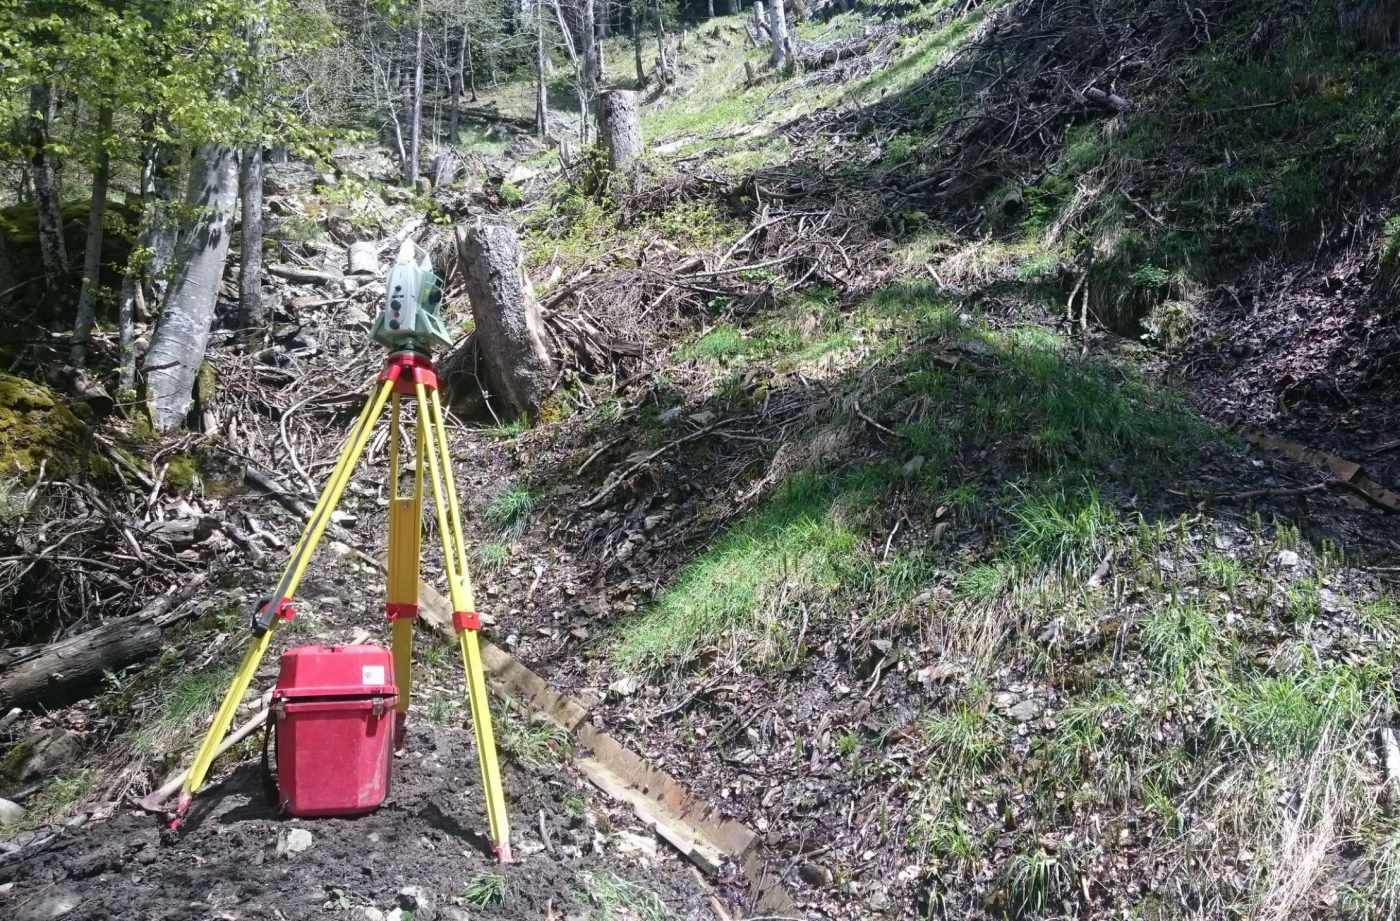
335 728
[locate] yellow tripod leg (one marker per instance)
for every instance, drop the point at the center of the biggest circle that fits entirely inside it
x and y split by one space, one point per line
286 587
401 600
465 620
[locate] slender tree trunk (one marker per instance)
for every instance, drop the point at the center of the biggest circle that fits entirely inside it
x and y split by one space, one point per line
636 18
252 313
7 271
53 253
92 254
182 333
661 39
541 100
471 66
161 189
592 56
710 8
456 83
415 115
777 27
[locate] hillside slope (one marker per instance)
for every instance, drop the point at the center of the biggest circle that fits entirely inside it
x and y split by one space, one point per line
914 486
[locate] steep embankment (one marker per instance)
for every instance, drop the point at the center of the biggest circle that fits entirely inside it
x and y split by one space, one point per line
890 497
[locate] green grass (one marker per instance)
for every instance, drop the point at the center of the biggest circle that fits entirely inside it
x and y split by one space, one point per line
1064 530
510 511
966 743
188 700
750 582
533 740
486 890
1180 641
1289 713
616 899
492 556
1037 882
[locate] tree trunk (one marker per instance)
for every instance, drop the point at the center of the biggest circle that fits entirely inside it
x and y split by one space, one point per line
760 21
471 65
252 314
181 335
777 28
710 8
456 85
637 42
592 59
92 253
415 112
662 63
53 253
509 330
541 100
160 189
622 127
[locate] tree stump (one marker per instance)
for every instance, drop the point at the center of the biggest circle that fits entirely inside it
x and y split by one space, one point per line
622 125
509 329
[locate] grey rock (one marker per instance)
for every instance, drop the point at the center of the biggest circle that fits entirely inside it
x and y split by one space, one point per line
814 874
371 914
416 900
1025 711
293 841
1288 559
10 813
626 686
48 752
914 465
53 904
1004 700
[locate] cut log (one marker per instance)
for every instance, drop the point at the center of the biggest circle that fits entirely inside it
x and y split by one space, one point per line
1107 100
509 329
60 673
622 126
363 258
304 276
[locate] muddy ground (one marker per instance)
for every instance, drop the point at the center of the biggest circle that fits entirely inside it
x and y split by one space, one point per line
417 852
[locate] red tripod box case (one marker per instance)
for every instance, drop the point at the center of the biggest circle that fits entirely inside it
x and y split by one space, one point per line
334 707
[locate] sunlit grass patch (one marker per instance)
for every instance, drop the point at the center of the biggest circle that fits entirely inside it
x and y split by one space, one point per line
617 899
510 511
797 544
188 700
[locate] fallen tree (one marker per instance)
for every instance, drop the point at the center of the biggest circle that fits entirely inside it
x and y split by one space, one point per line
62 672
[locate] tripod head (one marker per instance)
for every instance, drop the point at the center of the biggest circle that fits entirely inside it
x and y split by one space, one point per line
410 318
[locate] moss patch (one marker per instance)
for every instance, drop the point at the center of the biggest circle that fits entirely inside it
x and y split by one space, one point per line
35 427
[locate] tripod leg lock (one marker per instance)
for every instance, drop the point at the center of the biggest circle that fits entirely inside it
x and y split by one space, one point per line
465 620
399 611
270 610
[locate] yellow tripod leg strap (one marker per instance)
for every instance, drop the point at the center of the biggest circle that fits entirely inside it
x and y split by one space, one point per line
291 577
466 623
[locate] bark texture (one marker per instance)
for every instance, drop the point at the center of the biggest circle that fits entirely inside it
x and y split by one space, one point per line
58 674
622 126
182 334
252 314
415 112
777 29
52 250
509 330
92 252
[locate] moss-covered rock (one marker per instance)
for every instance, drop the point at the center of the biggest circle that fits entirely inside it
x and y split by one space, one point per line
36 426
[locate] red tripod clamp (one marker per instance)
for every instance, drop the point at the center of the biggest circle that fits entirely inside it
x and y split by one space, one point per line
407 370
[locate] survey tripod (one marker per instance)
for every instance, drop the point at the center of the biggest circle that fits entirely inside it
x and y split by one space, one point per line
409 326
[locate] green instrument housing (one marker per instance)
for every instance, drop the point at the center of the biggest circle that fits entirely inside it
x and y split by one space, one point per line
412 294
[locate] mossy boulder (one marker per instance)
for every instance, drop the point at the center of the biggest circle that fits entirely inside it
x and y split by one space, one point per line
37 427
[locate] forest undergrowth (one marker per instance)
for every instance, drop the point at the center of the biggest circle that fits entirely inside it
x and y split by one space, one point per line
924 537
